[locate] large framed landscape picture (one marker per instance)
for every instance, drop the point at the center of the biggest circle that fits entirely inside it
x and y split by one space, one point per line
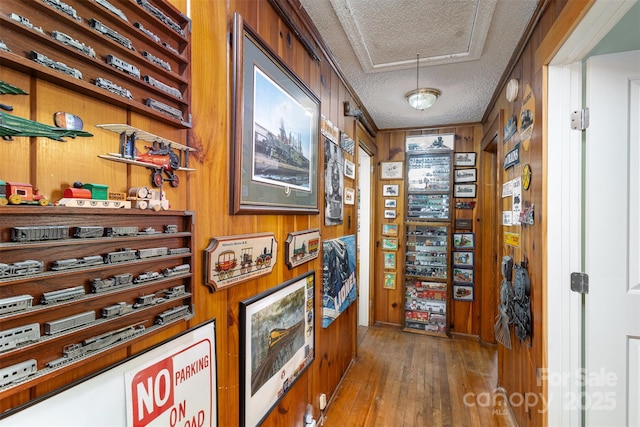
275 132
276 345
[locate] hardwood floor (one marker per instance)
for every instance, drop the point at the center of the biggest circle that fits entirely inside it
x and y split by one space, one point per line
412 380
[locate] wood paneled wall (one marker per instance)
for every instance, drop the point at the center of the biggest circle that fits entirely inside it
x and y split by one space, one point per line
464 317
53 165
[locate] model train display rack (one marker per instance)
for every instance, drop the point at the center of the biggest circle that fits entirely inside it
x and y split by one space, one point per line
234 259
163 157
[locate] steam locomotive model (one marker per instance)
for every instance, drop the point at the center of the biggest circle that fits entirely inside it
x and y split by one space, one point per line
111 8
70 41
161 16
64 8
113 35
56 65
113 88
160 62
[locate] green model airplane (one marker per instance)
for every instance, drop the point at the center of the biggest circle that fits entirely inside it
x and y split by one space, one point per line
11 126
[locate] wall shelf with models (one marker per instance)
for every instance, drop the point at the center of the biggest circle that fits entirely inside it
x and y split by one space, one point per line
77 285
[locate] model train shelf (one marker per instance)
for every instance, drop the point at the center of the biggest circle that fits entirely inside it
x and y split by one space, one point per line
163 157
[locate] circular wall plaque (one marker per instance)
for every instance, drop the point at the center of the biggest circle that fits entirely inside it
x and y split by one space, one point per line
512 90
526 176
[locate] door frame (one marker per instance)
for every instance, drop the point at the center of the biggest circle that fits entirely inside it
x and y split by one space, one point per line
563 155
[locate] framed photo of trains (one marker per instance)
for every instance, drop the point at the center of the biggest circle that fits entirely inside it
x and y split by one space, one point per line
276 345
236 259
301 247
275 132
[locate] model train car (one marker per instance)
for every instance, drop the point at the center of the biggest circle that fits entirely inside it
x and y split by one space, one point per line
113 88
122 65
84 232
120 231
118 281
13 337
69 322
116 310
67 264
56 65
62 295
70 41
38 233
152 252
123 255
64 8
158 61
17 372
15 304
179 269
147 277
172 314
161 16
21 268
113 35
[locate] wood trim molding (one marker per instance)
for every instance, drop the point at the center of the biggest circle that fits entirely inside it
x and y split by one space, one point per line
569 18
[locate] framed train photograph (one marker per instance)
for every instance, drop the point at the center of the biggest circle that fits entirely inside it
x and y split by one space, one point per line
276 345
235 259
275 132
301 247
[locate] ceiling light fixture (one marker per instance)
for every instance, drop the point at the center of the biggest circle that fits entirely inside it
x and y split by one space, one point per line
421 98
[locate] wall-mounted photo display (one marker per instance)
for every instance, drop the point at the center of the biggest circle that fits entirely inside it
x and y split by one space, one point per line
510 129
463 240
390 213
462 191
389 281
389 244
462 259
391 170
349 196
301 247
279 321
464 159
349 169
463 275
390 230
465 175
329 130
339 288
236 259
390 190
390 203
389 260
463 292
347 144
433 142
267 92
333 184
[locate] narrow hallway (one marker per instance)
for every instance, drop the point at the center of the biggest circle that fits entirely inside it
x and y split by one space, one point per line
402 379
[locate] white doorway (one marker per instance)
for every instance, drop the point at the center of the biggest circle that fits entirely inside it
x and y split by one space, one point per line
364 235
593 202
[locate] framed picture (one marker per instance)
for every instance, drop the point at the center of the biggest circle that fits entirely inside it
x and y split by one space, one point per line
463 292
349 196
301 247
389 259
433 142
465 175
270 98
464 159
463 241
349 169
390 230
390 203
339 281
329 130
279 322
236 259
390 190
390 213
463 275
389 244
333 184
464 190
391 170
462 259
389 281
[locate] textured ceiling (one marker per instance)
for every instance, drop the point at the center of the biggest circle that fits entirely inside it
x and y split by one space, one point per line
464 47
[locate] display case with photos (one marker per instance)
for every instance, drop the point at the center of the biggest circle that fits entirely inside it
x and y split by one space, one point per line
427 275
429 178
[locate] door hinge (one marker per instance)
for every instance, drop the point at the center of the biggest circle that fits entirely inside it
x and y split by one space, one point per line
580 283
580 119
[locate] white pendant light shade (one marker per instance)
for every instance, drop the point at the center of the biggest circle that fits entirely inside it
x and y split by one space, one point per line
423 98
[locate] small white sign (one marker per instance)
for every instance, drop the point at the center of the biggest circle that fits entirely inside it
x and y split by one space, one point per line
507 189
507 218
517 200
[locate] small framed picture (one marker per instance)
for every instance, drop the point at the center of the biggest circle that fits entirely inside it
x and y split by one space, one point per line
390 170
349 169
464 159
349 196
390 213
463 275
430 142
463 241
465 175
389 259
464 191
390 203
462 259
390 230
389 244
390 190
463 292
389 281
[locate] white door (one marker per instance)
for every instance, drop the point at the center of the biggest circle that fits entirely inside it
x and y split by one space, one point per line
611 395
364 235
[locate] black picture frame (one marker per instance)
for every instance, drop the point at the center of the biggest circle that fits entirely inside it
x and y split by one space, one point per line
263 380
262 80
